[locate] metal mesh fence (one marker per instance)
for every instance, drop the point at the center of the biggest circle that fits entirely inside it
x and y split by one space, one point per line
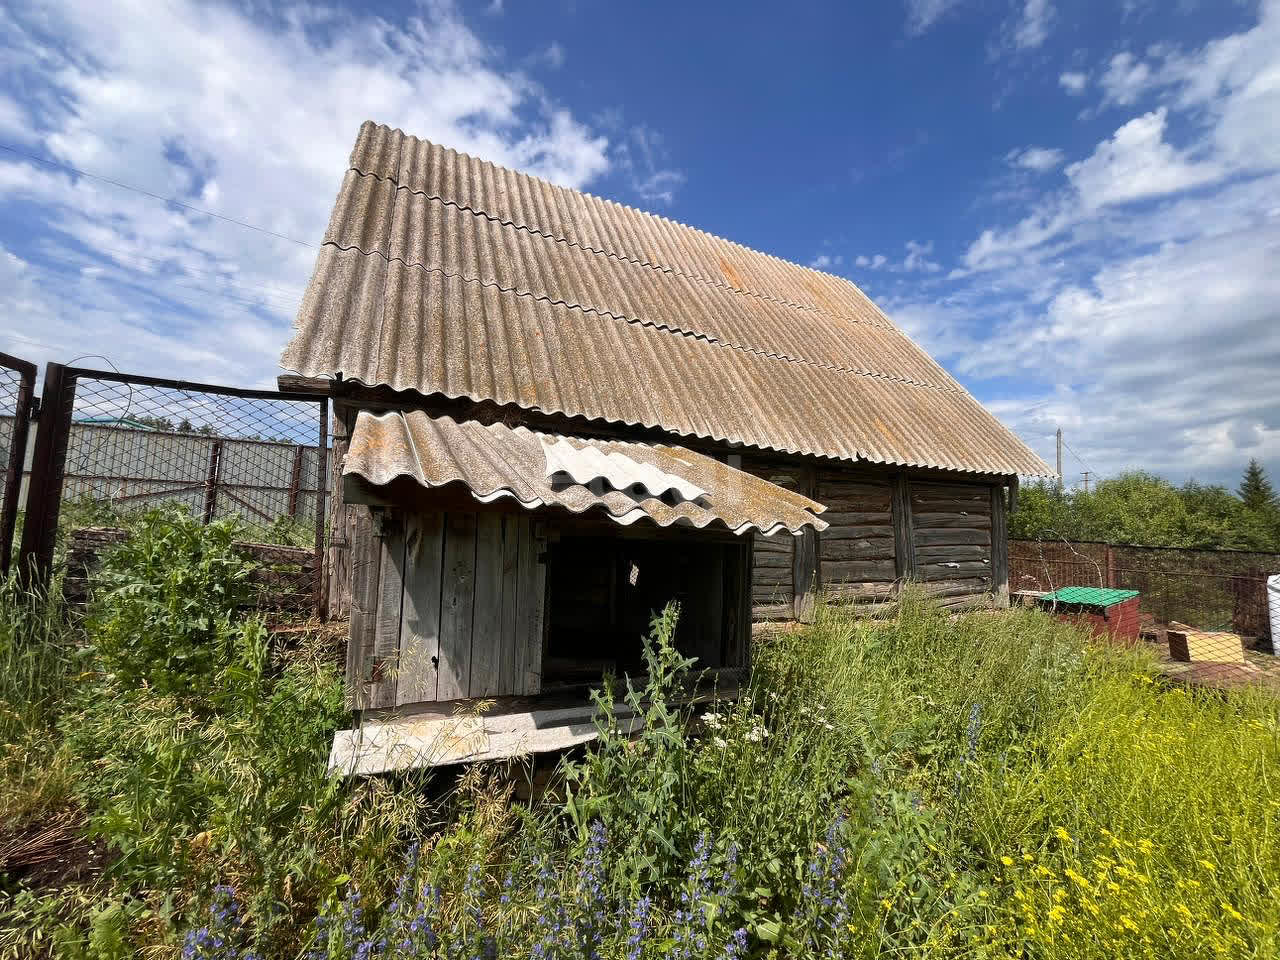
135 444
10 382
1198 606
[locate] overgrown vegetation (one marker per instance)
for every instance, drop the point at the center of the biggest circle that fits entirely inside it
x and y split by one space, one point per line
920 786
1145 509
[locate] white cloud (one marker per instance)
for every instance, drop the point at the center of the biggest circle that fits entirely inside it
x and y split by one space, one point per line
642 155
1137 163
252 117
1073 82
1033 28
1126 79
871 263
1138 305
917 258
1037 159
923 14
825 261
554 56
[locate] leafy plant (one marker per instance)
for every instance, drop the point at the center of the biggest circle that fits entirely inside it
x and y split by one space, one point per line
167 600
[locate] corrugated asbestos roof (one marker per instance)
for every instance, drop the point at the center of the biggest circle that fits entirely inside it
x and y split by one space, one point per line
498 461
447 275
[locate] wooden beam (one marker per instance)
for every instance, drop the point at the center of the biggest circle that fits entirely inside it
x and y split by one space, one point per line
804 575
903 533
999 548
386 642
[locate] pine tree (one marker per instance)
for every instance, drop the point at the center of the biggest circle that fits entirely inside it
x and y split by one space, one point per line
1255 489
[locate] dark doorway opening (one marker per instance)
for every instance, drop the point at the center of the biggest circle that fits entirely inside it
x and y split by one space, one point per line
603 591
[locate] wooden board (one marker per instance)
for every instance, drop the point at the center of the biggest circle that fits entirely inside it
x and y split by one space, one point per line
420 614
531 598
508 679
386 641
862 571
366 558
486 631
804 576
1000 547
457 606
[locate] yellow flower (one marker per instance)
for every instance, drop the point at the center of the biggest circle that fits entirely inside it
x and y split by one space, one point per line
1007 861
1062 835
1232 912
1128 921
1207 865
887 904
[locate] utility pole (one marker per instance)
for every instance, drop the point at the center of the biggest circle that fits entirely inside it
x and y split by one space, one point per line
1086 480
1059 461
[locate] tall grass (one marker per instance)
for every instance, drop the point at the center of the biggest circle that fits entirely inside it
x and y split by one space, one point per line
38 664
920 786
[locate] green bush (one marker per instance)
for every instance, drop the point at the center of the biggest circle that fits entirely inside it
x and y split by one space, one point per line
167 602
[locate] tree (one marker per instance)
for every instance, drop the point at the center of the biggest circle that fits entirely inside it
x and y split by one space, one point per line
1255 489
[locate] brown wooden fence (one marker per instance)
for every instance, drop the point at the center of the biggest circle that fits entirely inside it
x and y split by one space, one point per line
1209 589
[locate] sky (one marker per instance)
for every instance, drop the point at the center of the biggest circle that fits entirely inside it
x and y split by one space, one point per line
1075 207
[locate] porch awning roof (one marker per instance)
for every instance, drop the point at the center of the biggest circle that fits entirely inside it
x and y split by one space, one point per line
629 481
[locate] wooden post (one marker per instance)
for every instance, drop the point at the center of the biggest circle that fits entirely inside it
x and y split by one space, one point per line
804 575
295 480
366 558
322 454
904 550
999 547
342 523
211 481
17 455
44 493
1111 567
804 559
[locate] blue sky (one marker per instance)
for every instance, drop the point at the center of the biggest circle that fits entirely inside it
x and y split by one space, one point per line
1075 207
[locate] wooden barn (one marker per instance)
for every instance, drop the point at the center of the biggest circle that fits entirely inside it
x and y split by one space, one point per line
555 413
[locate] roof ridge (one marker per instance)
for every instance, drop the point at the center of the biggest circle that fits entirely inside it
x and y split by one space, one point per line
655 324
885 324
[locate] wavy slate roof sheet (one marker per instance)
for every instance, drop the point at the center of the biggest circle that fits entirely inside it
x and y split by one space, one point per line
497 461
448 275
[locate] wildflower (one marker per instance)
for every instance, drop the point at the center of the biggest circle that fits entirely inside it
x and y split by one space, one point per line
1207 865
219 937
591 889
1231 911
974 729
712 720
1007 861
736 946
757 733
720 742
1062 835
639 927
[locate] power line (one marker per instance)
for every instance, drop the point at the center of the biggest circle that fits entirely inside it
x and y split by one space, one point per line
1079 458
153 196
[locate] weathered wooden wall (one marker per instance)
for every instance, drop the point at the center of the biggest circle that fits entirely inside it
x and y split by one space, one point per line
446 606
856 551
884 527
951 536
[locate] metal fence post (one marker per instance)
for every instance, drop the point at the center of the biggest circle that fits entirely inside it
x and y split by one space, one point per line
44 493
17 455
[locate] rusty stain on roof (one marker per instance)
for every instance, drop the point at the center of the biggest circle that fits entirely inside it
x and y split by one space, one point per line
496 462
448 275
